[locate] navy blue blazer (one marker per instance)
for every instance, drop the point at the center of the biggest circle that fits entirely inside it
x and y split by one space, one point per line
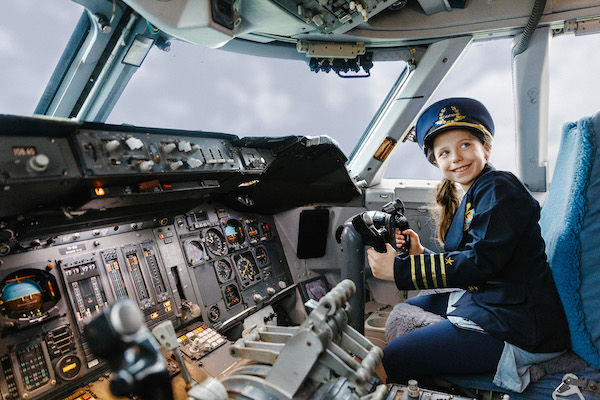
495 250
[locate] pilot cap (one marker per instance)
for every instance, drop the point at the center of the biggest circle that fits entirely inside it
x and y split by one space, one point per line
455 112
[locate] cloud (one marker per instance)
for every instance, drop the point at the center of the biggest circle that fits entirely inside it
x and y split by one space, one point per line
8 42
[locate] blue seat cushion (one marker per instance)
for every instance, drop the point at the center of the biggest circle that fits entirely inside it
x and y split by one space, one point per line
540 390
571 228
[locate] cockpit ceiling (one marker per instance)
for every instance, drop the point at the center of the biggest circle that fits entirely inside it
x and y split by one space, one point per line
378 23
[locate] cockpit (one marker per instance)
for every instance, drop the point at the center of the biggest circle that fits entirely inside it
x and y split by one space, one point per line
186 175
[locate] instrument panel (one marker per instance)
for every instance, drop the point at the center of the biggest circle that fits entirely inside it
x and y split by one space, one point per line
223 261
234 261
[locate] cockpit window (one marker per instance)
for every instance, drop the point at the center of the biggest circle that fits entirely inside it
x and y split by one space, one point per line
33 35
192 87
484 73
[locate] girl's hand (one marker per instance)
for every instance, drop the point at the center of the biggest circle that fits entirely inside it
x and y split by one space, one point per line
382 264
415 243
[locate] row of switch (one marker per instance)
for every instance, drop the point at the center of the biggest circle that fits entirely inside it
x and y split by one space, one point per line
135 144
147 166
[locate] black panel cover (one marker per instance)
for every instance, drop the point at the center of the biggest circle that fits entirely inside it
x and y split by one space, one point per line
312 233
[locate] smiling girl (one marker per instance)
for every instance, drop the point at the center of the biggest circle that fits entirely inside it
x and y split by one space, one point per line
493 251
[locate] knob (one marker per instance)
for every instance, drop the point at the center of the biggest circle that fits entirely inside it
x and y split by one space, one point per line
175 165
112 145
169 147
196 311
39 163
413 389
257 298
185 146
134 143
194 162
146 166
282 284
271 291
257 162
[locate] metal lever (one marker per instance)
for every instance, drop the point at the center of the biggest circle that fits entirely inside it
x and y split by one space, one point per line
165 334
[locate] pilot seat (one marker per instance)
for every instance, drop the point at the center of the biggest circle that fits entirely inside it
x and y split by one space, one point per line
570 223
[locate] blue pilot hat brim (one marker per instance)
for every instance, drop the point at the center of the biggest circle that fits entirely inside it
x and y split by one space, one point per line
452 113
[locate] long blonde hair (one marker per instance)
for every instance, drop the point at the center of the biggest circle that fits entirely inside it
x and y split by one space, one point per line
448 194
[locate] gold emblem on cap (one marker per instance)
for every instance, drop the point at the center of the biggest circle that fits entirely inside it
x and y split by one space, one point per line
453 116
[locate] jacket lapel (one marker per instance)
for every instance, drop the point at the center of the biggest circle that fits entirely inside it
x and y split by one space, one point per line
455 232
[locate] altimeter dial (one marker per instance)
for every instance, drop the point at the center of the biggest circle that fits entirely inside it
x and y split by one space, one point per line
247 270
215 242
223 270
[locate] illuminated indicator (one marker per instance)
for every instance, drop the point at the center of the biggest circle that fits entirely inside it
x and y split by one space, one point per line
157 280
154 315
114 274
79 300
51 289
248 183
134 267
69 367
99 191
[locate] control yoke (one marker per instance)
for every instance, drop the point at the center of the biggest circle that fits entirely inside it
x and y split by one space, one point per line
378 227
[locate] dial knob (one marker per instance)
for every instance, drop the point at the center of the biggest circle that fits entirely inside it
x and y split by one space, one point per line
112 145
257 298
194 162
282 284
169 147
271 291
185 146
175 165
134 143
146 166
39 163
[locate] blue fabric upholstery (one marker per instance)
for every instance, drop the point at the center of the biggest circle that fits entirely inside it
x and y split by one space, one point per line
541 390
567 218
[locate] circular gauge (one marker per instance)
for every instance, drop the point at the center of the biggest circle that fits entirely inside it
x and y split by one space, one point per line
234 232
28 293
224 271
253 233
266 231
214 314
215 242
68 367
247 269
261 256
195 252
231 294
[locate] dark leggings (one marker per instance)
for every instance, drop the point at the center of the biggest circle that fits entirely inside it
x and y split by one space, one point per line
440 348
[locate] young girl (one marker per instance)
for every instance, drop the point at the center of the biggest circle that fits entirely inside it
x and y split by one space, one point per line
493 250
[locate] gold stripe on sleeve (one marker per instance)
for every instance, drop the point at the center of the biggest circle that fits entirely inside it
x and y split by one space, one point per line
413 272
443 270
423 272
433 276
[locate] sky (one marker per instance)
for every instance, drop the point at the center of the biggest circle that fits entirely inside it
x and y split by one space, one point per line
192 87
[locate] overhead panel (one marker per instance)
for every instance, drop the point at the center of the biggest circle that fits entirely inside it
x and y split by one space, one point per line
334 16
